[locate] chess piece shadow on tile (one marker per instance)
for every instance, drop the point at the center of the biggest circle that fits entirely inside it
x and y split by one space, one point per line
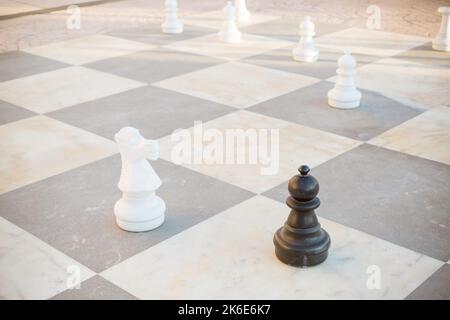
302 242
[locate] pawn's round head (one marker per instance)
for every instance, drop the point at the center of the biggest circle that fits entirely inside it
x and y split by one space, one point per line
129 136
303 187
347 61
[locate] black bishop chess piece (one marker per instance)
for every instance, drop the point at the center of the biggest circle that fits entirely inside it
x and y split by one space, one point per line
301 242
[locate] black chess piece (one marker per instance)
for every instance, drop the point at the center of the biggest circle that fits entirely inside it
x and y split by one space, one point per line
301 242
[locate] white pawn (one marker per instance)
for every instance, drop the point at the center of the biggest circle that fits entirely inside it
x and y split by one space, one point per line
243 15
139 209
305 50
171 23
442 41
344 94
230 32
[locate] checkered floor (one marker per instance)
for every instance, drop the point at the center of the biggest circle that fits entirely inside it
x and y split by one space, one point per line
384 168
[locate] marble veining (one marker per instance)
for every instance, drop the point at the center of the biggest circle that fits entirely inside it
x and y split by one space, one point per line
30 268
297 144
36 148
232 266
426 136
220 84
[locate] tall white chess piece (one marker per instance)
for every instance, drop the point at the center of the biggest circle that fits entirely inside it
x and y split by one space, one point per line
305 50
139 209
442 41
344 94
171 23
229 32
243 15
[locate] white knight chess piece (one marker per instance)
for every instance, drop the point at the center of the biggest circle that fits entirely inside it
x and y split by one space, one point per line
139 209
442 41
243 15
171 23
344 94
305 50
230 32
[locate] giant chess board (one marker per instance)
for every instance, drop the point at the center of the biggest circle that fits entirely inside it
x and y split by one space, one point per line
383 168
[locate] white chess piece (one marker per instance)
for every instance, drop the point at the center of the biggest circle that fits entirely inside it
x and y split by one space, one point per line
230 32
344 94
243 15
305 50
442 41
139 209
171 23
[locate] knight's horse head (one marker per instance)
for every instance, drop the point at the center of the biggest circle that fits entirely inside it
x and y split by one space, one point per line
133 146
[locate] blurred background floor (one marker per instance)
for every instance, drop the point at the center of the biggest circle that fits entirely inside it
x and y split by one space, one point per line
27 23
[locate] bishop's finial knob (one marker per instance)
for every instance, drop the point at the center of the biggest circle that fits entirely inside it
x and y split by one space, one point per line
304 170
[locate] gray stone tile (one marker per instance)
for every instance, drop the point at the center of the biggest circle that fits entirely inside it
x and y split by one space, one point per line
73 211
10 113
154 65
18 64
95 288
393 196
324 68
436 287
287 28
425 54
151 34
154 111
308 106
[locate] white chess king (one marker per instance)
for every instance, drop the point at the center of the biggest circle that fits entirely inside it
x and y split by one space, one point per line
139 209
171 23
230 32
243 15
305 50
344 94
442 40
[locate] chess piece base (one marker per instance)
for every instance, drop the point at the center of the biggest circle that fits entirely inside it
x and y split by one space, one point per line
139 214
232 37
305 55
290 249
348 100
441 45
173 28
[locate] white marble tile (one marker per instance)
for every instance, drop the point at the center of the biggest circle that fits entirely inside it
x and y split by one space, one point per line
415 84
53 90
296 145
426 136
231 256
88 49
370 42
31 269
211 46
39 147
236 84
215 19
8 7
